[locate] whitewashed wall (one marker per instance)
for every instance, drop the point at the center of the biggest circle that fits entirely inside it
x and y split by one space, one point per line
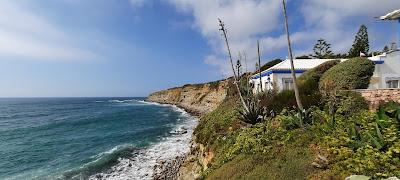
278 79
389 69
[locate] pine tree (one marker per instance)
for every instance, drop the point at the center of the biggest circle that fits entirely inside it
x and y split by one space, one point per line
361 43
322 50
238 67
386 49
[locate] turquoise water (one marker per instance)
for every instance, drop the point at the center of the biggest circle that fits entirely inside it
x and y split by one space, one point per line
74 138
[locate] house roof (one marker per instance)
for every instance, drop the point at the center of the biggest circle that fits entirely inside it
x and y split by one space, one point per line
300 65
392 15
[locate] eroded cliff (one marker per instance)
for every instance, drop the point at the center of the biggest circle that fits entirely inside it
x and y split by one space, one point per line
197 99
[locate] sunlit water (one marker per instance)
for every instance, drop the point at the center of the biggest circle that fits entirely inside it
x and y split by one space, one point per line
74 138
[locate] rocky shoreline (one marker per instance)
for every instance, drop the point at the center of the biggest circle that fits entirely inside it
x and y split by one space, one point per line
180 167
197 100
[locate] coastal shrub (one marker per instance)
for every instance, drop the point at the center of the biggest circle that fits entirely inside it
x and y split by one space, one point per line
270 64
277 101
292 119
364 144
389 110
284 154
309 80
350 102
217 123
351 74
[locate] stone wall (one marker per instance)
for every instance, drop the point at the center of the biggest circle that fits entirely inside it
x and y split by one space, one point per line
375 97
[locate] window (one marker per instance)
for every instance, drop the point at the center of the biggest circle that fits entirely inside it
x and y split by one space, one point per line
287 83
392 84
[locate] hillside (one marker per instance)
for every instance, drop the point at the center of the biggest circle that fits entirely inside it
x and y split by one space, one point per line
337 136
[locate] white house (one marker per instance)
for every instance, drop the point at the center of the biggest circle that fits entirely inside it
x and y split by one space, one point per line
386 74
280 77
387 71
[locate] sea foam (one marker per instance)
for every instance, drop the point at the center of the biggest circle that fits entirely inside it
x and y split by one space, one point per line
142 162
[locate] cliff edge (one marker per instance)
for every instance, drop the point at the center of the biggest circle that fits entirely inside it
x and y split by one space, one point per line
198 99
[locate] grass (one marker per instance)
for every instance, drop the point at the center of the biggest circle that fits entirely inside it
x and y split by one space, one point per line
270 155
217 123
288 164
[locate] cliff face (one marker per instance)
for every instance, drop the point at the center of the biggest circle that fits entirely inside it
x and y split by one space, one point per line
198 99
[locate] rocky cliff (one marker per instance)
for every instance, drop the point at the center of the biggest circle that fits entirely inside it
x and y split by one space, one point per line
198 99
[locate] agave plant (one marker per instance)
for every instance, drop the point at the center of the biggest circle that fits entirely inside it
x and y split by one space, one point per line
255 114
377 140
389 110
355 136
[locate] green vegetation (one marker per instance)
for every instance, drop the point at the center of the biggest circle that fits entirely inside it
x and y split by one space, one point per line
359 143
271 135
270 64
332 139
217 123
308 86
308 81
361 43
351 74
322 50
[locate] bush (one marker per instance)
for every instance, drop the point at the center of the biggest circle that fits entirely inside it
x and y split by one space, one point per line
277 101
270 64
351 102
309 80
389 110
352 74
363 144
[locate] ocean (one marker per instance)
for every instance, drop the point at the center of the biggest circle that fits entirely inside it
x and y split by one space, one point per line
87 138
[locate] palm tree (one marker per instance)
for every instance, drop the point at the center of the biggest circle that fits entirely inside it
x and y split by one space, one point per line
296 89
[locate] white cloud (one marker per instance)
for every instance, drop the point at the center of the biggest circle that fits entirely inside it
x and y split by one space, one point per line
329 18
250 20
24 34
246 21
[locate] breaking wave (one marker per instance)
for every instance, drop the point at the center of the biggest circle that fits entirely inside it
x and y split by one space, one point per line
128 162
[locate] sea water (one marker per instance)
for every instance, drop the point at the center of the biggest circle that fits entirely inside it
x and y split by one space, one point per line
82 138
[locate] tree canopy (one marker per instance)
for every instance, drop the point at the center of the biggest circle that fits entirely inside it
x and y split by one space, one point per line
361 43
270 64
322 50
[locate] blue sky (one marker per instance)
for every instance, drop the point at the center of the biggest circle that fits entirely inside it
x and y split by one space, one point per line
134 47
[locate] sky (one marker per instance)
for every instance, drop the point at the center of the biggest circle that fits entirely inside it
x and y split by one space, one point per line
92 48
